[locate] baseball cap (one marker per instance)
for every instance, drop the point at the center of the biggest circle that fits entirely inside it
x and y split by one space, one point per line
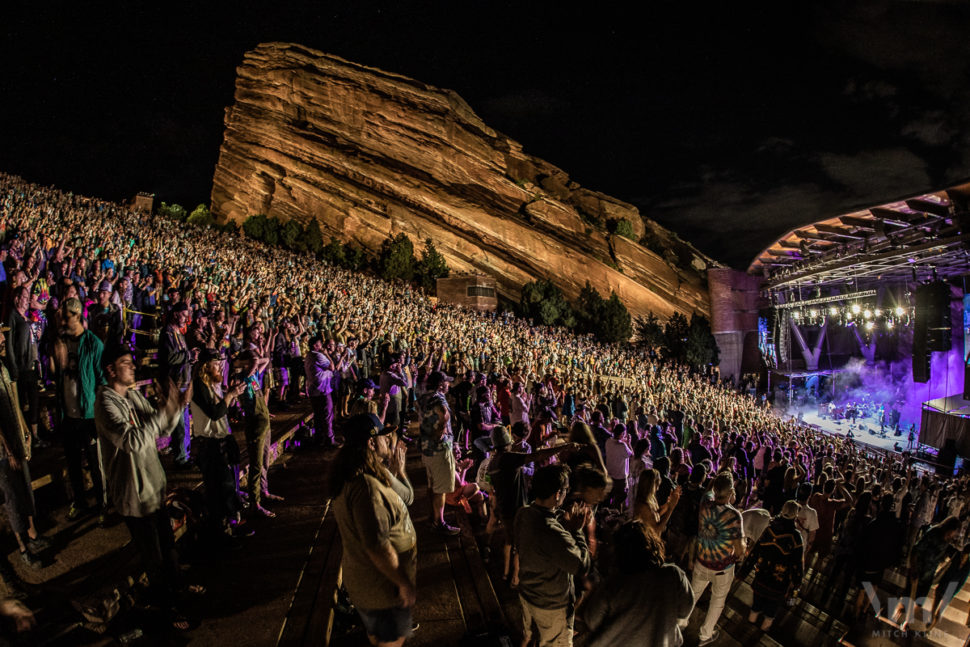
73 305
367 384
436 378
113 352
105 287
209 354
363 427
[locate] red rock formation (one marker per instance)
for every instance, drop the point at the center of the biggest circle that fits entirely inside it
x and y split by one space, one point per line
370 153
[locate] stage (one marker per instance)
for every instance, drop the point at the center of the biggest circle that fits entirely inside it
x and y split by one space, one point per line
861 430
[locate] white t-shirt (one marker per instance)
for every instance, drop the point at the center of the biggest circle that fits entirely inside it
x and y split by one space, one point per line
755 521
617 459
807 522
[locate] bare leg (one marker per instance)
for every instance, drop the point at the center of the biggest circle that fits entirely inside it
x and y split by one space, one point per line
438 504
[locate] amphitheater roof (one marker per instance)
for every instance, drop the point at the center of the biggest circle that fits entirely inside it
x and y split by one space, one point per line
913 237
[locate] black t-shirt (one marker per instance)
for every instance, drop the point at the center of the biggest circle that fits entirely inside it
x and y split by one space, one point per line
462 392
507 481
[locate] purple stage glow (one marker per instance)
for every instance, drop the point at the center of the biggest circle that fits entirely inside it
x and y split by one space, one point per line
885 383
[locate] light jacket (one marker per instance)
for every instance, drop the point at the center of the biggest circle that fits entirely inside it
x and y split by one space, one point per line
128 427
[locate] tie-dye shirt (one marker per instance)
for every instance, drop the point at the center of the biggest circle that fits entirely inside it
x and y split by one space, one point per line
719 525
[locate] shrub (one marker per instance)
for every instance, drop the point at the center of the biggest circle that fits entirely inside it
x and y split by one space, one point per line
624 228
173 211
200 217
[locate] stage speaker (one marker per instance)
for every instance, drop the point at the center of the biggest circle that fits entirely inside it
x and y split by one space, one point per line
966 376
947 458
921 355
933 315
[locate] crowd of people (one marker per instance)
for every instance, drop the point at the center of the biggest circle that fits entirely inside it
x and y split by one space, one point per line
605 475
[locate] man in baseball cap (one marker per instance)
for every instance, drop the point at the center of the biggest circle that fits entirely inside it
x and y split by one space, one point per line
379 561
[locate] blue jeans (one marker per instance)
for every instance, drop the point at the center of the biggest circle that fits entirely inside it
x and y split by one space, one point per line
182 437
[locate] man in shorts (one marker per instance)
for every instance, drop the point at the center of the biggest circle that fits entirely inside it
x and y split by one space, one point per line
437 447
380 546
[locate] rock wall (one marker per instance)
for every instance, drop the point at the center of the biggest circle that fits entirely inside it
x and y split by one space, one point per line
369 154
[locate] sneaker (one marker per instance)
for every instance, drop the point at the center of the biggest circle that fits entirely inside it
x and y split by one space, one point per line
714 636
445 529
30 560
76 512
38 545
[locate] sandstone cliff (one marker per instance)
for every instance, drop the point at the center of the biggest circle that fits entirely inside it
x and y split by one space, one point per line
369 154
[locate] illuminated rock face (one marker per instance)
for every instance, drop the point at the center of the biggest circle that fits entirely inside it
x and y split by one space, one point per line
368 154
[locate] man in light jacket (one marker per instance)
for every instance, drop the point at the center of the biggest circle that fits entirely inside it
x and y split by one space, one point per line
128 427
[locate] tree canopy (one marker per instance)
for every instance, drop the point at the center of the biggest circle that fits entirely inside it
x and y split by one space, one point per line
200 217
396 259
431 267
544 303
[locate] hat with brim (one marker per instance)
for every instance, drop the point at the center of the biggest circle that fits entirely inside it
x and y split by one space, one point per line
500 437
209 355
364 426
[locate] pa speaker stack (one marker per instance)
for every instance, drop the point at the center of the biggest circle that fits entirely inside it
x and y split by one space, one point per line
938 329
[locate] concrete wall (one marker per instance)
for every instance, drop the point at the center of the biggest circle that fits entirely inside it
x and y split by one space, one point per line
454 291
735 299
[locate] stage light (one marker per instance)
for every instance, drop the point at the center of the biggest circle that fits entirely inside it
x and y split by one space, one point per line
848 315
878 312
833 311
869 325
855 308
889 323
868 313
900 311
813 313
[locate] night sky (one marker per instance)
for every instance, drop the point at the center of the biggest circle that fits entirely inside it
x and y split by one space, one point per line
730 125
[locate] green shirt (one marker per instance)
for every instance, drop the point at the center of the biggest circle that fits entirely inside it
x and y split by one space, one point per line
368 514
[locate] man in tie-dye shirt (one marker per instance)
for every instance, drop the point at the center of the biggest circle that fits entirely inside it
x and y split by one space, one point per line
720 543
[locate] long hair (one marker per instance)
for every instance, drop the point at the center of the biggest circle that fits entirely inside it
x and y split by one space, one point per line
353 461
636 549
582 434
647 487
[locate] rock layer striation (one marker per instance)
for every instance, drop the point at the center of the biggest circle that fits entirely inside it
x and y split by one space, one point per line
369 153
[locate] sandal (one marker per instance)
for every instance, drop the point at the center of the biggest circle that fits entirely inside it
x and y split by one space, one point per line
195 589
180 622
272 497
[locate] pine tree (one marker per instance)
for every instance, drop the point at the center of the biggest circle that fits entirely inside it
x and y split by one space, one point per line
675 334
650 332
701 347
615 322
544 303
314 237
431 267
255 227
293 236
589 309
397 258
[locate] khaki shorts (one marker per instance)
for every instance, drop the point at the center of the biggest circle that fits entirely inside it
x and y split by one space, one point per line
441 471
